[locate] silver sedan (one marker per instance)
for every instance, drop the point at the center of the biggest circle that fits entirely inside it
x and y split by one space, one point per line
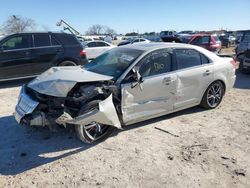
125 85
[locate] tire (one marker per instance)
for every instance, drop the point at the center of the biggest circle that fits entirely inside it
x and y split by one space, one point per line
213 95
67 63
86 132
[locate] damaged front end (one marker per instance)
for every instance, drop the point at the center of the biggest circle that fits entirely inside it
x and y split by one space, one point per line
36 109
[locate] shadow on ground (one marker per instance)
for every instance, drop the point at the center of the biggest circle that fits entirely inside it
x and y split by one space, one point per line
22 148
25 148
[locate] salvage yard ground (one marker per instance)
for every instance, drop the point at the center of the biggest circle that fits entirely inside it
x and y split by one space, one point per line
191 148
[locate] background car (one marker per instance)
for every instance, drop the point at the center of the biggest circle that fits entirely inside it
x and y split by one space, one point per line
169 36
228 39
134 41
126 85
242 46
210 42
96 48
28 54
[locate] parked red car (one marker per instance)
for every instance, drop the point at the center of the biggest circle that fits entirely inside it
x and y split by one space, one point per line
210 42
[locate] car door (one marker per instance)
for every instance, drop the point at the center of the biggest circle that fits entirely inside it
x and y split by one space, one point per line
15 56
102 47
155 95
91 50
194 74
45 52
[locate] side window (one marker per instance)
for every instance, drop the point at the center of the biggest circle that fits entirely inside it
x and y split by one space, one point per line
204 59
53 41
136 40
157 62
91 44
197 40
100 44
187 58
205 39
41 40
16 42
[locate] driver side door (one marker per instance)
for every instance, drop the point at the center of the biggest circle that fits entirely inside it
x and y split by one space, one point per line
155 94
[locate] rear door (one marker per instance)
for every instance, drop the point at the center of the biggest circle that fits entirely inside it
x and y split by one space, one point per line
45 52
91 50
15 56
156 94
194 74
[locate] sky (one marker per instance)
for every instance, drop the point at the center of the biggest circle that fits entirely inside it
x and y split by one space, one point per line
132 15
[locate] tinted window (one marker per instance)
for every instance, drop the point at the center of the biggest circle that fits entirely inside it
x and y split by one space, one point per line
186 58
201 40
17 42
204 59
157 62
67 39
91 44
100 44
41 40
136 40
53 41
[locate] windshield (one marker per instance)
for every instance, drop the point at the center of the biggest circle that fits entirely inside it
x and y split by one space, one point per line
114 62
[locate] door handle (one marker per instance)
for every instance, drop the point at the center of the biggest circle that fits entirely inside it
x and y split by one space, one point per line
26 53
167 80
207 72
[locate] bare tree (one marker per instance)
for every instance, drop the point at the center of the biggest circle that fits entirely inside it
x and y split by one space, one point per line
16 24
98 29
109 30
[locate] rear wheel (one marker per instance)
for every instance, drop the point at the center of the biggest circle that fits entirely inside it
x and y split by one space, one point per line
213 95
93 131
67 63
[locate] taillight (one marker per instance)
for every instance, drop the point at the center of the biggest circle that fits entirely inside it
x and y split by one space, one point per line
82 53
234 63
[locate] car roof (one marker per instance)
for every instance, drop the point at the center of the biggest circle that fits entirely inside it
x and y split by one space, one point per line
159 45
42 32
156 45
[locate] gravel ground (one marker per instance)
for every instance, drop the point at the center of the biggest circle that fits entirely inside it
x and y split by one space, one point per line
191 148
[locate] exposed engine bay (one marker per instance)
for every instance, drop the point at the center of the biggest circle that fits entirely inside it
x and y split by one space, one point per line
65 110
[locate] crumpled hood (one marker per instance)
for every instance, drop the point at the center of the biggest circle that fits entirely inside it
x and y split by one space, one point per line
58 81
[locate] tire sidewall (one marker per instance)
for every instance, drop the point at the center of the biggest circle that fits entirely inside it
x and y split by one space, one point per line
204 102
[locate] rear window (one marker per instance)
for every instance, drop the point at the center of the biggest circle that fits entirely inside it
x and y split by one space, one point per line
67 39
216 38
41 40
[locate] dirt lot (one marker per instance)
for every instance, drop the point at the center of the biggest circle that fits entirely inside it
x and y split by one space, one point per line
191 148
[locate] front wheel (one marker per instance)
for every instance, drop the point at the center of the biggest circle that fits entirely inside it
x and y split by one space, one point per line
213 95
94 131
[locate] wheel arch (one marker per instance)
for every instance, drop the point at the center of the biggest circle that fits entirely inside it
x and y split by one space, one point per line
67 59
220 80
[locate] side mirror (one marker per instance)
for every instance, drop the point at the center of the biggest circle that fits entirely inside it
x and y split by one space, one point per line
1 48
137 77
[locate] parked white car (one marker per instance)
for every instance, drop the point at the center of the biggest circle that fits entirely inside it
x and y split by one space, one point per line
96 48
126 85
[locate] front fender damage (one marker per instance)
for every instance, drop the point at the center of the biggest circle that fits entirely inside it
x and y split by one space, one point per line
106 114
